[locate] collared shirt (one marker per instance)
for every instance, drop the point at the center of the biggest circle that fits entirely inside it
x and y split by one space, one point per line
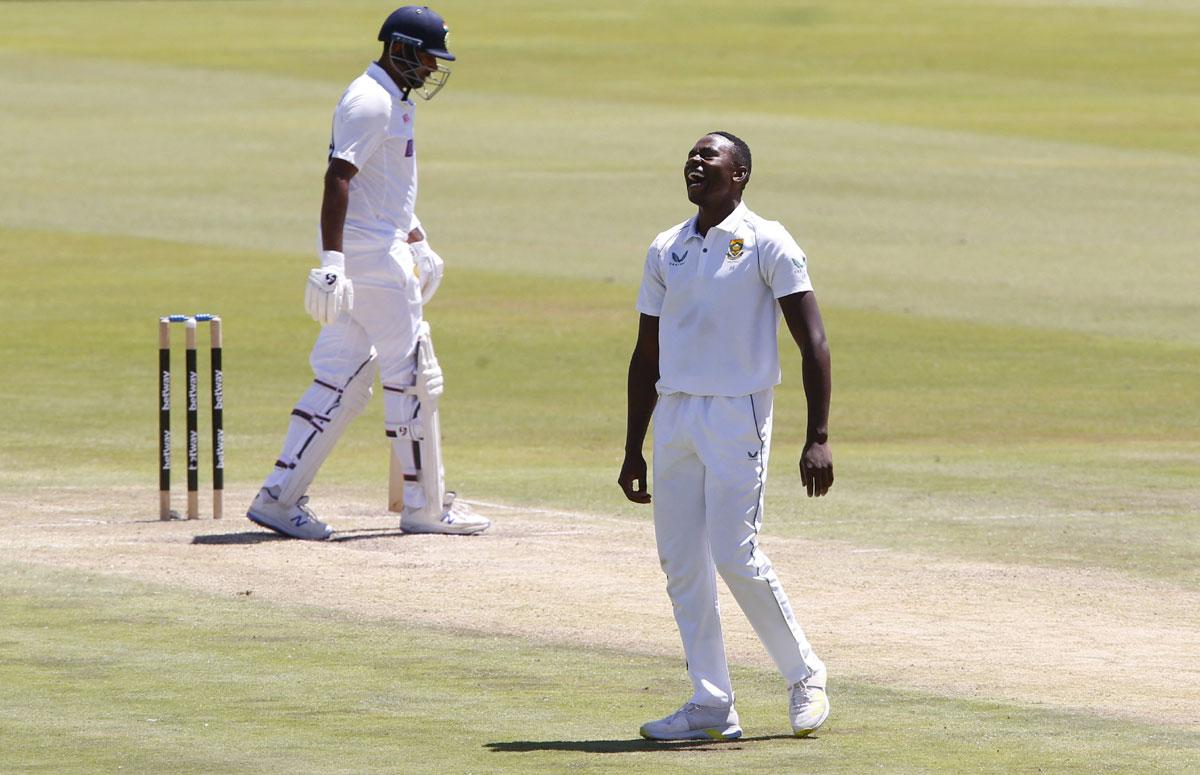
373 130
715 297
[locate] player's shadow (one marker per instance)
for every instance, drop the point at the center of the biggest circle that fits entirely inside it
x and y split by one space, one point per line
366 534
234 539
626 746
262 537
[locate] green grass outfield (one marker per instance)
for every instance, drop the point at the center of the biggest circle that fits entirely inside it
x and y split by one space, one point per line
999 202
205 684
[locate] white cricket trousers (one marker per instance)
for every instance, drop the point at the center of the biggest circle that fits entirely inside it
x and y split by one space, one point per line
710 468
379 333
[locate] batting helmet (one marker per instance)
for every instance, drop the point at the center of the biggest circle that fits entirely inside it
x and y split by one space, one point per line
418 26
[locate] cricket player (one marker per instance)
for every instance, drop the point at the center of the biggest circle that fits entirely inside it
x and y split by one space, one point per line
377 271
705 365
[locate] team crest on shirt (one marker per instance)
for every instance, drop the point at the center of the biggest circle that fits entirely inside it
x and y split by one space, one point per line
676 259
735 249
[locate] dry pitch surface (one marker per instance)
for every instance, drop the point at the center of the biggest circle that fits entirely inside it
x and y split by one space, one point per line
1092 641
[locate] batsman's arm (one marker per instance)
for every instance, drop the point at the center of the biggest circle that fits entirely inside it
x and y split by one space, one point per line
803 318
642 395
335 202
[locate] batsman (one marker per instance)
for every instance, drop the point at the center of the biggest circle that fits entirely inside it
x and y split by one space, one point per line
376 273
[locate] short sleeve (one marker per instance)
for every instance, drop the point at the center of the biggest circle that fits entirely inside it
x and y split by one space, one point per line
654 287
359 127
783 264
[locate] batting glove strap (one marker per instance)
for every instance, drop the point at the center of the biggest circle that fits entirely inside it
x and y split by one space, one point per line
332 258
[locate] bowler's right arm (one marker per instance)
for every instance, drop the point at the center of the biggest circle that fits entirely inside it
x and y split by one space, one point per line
642 396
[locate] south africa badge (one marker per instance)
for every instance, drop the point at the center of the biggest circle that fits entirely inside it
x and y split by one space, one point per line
735 249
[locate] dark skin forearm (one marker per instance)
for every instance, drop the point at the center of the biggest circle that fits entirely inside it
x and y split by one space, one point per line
642 397
803 318
334 203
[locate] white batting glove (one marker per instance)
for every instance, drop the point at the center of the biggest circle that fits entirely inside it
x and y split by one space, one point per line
430 382
429 268
328 291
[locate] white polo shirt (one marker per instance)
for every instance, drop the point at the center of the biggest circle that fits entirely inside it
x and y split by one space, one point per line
715 297
373 130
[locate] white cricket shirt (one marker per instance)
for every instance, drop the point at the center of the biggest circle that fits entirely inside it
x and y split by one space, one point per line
715 297
373 130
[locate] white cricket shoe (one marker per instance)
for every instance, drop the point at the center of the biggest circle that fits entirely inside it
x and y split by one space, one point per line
695 722
809 706
456 519
296 521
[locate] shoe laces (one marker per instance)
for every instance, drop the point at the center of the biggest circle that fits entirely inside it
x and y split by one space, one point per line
801 693
688 709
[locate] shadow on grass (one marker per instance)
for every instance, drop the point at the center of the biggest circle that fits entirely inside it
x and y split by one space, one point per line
227 539
258 537
365 534
634 745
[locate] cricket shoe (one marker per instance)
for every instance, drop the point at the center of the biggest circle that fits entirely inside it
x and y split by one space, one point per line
456 519
809 706
296 521
695 722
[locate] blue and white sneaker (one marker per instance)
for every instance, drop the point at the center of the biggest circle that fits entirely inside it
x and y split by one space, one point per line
456 519
295 521
695 722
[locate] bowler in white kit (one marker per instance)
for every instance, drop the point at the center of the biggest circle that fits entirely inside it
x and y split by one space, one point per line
705 366
377 271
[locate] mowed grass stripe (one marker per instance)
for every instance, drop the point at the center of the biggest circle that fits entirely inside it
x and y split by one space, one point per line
1113 74
102 673
939 223
515 343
